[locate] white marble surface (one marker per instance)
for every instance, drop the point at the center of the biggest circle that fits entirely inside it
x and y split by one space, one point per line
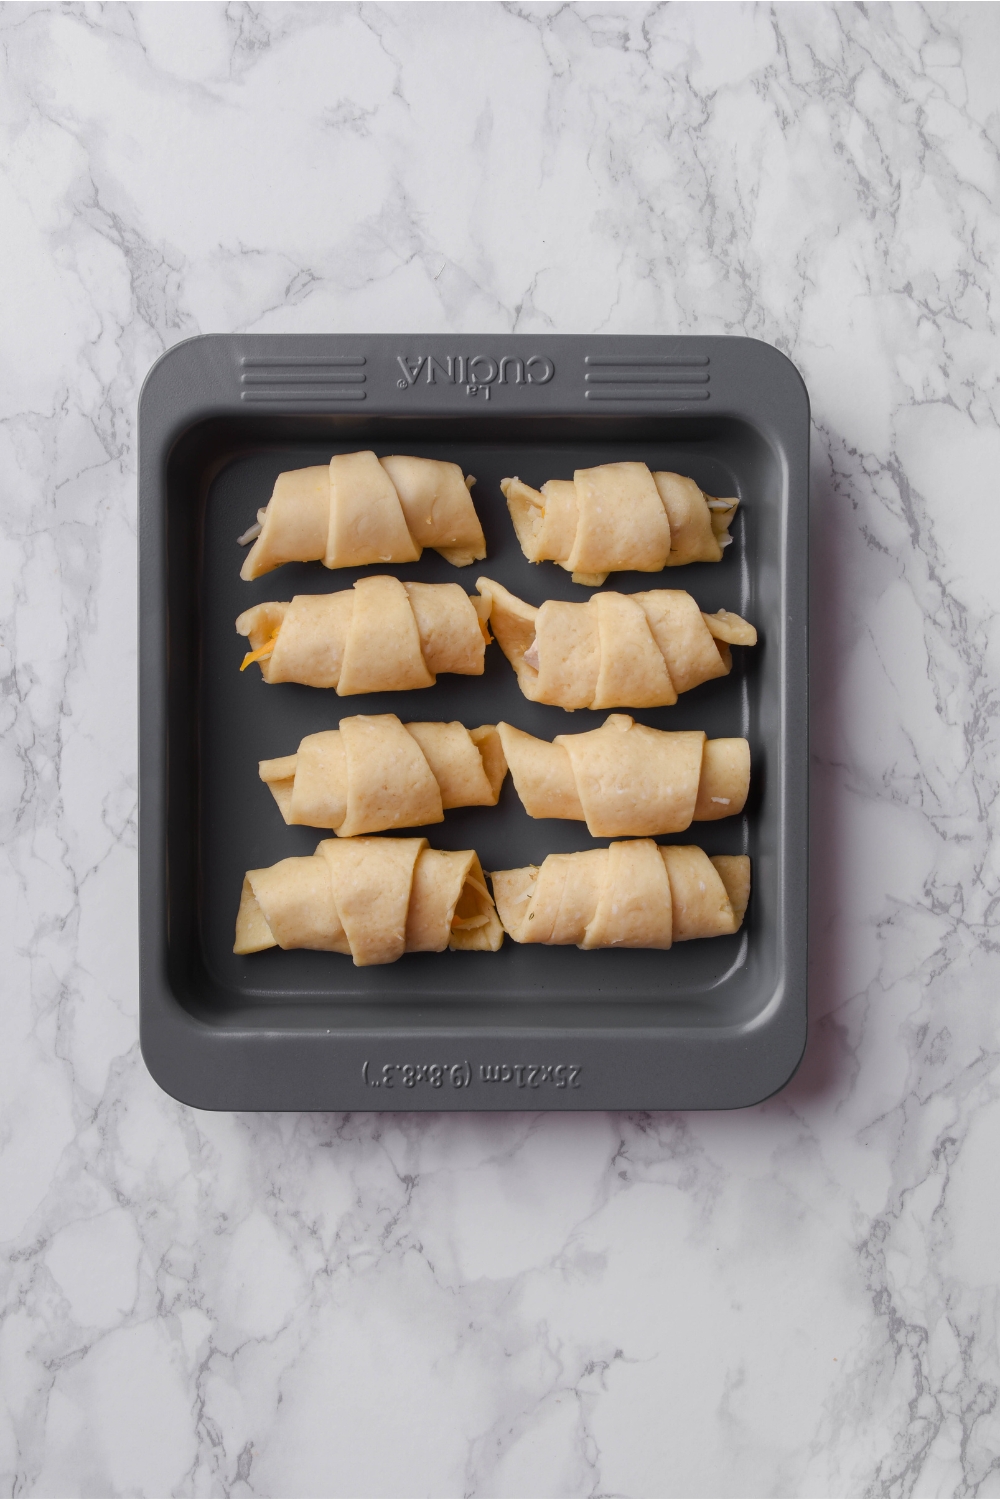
799 1299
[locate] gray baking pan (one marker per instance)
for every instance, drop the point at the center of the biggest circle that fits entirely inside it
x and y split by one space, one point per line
712 1025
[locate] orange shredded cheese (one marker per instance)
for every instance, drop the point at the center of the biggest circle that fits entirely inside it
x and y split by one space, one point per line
262 651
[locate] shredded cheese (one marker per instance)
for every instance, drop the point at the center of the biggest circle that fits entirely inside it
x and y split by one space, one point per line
253 532
262 651
477 885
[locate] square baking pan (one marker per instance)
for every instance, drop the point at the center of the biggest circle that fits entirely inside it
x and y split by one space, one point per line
713 1024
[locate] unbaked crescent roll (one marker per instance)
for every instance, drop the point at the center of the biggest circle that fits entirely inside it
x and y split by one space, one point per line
631 895
374 899
380 636
359 509
626 778
618 517
614 651
375 773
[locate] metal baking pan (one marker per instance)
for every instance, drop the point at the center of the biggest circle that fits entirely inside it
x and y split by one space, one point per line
713 1024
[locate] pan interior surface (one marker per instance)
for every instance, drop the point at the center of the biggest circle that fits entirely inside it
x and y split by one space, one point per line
221 820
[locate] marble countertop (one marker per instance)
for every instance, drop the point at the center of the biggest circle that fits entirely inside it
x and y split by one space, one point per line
796 1299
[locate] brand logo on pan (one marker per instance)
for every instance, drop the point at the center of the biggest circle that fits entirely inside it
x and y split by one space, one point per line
479 373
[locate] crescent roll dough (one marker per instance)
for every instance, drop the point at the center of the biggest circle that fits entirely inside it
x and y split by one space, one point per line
615 651
380 636
625 778
375 773
374 899
631 895
616 517
359 509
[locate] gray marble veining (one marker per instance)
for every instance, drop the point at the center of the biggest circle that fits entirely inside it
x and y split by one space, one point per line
799 1299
